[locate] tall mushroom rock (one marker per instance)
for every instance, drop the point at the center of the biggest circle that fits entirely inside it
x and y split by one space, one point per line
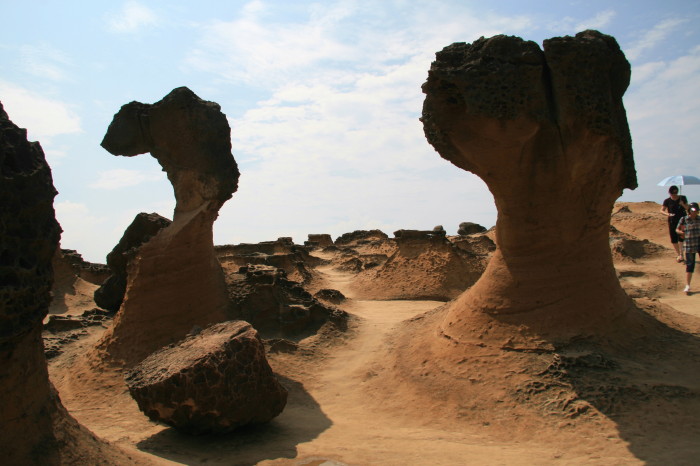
175 282
547 132
29 236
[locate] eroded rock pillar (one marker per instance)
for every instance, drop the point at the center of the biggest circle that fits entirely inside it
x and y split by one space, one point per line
547 132
29 236
175 281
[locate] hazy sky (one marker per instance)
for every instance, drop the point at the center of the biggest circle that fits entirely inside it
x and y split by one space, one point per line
323 99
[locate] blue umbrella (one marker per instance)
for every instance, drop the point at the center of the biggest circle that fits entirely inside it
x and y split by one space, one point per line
679 180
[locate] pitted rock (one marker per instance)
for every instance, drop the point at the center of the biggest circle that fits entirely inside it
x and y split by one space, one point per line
212 382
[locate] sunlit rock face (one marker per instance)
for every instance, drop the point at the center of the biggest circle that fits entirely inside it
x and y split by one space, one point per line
144 226
547 131
29 235
175 281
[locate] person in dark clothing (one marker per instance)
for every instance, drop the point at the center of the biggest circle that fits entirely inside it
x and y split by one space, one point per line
674 208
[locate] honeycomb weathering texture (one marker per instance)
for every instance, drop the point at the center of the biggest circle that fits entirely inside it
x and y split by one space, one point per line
29 235
547 131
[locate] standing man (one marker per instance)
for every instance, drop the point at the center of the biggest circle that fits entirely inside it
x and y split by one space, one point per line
674 208
689 227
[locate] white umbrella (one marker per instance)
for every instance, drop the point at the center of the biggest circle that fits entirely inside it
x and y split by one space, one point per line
679 180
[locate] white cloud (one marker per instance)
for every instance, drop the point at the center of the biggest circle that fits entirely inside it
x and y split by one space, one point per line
132 17
122 178
599 21
43 117
653 37
663 106
44 61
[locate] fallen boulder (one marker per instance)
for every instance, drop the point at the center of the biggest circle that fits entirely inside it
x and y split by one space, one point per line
212 382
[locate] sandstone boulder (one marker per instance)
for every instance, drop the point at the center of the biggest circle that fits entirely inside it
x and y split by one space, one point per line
320 240
469 228
547 132
360 237
212 382
175 281
144 226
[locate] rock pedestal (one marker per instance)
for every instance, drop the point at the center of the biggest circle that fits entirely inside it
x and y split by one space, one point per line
546 130
212 382
175 281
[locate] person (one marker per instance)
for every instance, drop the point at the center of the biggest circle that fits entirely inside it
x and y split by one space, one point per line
689 228
674 208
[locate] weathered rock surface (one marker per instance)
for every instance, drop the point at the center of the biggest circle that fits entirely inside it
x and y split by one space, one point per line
319 240
360 237
144 226
547 132
276 306
283 254
330 295
36 429
191 140
89 271
425 265
212 382
469 228
29 237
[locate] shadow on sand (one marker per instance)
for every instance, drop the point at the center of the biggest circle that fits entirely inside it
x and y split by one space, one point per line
301 421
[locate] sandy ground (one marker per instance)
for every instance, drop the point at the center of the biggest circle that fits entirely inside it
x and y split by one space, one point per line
336 415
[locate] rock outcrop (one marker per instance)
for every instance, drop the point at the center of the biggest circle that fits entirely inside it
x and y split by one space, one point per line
295 260
175 281
425 265
321 240
469 228
212 382
547 131
36 429
144 226
276 306
360 237
29 237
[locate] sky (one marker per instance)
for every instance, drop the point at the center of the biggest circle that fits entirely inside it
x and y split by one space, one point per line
323 99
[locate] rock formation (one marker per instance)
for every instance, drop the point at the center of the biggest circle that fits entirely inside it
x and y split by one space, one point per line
29 237
547 132
424 265
175 282
468 228
295 260
211 382
36 429
360 237
322 240
144 226
276 306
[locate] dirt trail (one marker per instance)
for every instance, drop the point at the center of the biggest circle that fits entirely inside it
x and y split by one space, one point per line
357 434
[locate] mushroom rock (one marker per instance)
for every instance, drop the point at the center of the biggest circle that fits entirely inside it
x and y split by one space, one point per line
144 226
547 131
175 281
